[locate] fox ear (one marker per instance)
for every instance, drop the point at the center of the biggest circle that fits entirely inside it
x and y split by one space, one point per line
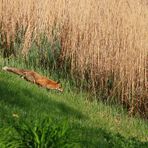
58 81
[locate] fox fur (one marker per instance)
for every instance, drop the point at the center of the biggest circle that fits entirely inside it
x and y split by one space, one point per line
35 78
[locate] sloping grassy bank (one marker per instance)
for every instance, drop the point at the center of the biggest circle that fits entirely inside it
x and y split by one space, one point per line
92 124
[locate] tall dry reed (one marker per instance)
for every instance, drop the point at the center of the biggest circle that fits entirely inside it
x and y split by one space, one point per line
106 42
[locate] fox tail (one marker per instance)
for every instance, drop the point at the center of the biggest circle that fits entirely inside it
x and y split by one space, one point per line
13 70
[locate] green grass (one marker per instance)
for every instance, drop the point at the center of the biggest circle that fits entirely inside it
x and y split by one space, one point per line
93 124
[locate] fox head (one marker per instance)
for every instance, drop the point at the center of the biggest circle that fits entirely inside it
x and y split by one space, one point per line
59 87
55 86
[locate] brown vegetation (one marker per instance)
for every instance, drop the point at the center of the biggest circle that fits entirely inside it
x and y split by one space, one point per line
106 41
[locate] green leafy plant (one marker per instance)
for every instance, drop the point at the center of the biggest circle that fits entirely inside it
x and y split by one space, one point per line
43 134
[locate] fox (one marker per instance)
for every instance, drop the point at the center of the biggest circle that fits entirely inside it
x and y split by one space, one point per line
35 78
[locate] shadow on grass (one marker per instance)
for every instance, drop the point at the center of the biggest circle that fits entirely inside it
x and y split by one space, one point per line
100 138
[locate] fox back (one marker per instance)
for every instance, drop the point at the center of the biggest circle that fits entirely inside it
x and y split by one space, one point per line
49 84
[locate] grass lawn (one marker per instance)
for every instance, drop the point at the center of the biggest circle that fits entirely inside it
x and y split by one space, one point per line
95 124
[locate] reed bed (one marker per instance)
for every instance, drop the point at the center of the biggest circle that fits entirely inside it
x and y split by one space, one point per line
105 42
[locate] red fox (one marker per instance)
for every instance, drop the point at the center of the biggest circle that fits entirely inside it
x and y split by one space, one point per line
35 78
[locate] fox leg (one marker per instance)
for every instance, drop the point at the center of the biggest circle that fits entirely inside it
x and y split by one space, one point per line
22 76
29 78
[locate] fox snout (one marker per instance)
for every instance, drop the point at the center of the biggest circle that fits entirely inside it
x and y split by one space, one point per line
60 89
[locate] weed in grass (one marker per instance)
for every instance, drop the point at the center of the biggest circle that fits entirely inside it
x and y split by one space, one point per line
41 133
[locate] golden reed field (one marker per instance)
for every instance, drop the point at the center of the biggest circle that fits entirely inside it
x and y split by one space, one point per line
106 42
